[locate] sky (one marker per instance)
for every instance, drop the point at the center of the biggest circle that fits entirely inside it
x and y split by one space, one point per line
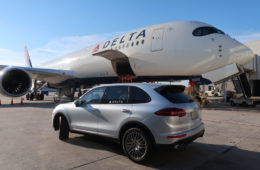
52 28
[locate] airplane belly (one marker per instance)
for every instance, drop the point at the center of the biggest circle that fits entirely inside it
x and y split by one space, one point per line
157 66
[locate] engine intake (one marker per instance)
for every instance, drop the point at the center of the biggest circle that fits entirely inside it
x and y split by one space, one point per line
14 82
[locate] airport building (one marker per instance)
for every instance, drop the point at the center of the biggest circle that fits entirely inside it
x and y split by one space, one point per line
253 67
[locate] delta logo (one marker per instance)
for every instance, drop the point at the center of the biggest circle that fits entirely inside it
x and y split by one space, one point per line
120 40
96 49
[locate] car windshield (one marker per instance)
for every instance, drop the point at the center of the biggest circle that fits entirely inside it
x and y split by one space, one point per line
174 94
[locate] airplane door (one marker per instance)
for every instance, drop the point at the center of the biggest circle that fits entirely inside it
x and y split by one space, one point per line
157 40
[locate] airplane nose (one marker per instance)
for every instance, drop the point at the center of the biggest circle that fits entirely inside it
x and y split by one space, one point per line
240 53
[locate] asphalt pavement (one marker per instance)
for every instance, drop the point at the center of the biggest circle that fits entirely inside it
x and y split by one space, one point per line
28 141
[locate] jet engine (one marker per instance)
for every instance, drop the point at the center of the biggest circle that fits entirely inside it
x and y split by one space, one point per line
14 82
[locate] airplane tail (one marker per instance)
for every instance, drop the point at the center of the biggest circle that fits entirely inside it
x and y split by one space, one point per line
28 62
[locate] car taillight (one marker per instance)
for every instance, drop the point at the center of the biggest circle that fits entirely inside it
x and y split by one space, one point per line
177 136
171 111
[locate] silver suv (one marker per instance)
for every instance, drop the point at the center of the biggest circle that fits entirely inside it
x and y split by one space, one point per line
139 116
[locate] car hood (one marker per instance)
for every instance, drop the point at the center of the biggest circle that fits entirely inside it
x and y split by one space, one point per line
64 105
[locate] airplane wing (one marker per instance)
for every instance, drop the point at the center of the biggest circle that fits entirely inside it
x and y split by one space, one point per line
48 75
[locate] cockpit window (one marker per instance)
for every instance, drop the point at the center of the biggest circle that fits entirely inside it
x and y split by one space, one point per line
202 31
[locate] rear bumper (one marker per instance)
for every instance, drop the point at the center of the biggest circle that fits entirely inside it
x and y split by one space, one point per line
182 137
181 142
190 138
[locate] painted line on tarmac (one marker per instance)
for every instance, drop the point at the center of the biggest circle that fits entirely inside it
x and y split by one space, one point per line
233 123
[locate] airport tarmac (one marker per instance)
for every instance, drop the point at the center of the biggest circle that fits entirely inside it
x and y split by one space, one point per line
28 141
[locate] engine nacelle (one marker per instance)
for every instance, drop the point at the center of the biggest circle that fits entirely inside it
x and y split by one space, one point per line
14 82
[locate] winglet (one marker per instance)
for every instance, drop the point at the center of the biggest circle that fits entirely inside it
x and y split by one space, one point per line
28 62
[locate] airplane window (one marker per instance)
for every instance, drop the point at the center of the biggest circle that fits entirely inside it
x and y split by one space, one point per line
127 45
137 42
132 44
202 31
142 41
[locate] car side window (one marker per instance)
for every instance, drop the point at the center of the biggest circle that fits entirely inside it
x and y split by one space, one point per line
138 95
116 95
94 96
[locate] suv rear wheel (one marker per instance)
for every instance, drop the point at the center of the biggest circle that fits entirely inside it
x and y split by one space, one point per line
136 144
64 129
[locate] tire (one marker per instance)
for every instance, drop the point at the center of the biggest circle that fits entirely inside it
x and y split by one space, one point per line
31 96
216 94
136 144
64 129
232 103
27 96
244 104
41 96
38 96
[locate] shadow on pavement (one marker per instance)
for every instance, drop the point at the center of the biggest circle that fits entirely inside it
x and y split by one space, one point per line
96 142
31 104
228 107
195 156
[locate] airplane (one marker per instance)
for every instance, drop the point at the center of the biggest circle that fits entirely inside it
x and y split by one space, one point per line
170 51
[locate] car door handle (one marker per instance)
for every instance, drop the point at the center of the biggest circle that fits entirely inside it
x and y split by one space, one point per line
126 111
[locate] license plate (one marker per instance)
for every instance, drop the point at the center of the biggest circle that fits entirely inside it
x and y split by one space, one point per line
194 115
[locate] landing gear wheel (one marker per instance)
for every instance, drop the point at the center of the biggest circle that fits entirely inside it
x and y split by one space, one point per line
136 144
41 96
244 104
64 129
37 96
31 96
27 96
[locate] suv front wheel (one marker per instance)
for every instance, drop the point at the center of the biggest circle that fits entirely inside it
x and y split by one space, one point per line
136 144
64 129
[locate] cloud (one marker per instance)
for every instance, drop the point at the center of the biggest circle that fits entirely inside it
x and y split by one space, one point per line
248 37
53 49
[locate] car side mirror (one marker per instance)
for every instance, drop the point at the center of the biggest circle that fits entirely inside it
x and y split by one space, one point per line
77 103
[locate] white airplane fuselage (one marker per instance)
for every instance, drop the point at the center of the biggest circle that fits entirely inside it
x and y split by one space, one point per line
161 50
177 50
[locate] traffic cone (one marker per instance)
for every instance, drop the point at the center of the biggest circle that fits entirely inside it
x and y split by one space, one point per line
12 102
21 102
